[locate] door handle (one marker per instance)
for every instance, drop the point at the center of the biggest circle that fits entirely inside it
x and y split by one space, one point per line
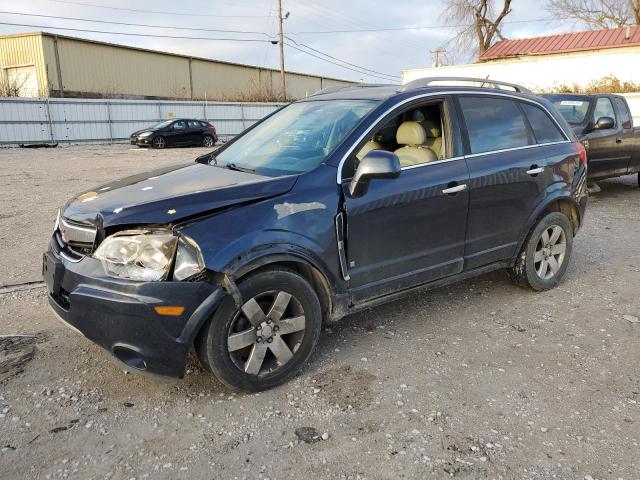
535 170
455 189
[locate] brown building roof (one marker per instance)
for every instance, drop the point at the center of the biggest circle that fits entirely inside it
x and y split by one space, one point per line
569 42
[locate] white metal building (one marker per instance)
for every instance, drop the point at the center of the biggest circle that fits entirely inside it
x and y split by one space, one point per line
545 63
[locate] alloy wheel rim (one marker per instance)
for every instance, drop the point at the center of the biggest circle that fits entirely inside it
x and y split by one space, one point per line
266 332
158 142
550 252
208 141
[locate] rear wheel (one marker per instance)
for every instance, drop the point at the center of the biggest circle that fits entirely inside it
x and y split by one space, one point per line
159 142
544 257
269 338
208 141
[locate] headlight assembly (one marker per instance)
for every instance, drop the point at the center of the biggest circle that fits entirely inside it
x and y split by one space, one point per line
148 255
138 255
144 135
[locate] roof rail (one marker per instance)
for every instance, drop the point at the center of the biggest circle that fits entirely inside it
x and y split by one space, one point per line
339 88
426 82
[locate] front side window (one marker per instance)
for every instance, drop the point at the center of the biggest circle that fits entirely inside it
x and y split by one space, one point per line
544 129
179 125
493 124
296 139
604 108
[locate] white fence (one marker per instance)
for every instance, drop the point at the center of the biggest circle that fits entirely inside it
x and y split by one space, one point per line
66 120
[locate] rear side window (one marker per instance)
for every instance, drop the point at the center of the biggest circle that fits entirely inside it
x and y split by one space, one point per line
625 117
603 109
194 124
203 124
544 129
493 124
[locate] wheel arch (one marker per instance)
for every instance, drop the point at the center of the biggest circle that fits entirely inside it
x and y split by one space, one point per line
306 268
562 203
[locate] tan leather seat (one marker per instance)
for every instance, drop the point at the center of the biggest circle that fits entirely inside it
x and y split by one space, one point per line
434 136
370 145
414 152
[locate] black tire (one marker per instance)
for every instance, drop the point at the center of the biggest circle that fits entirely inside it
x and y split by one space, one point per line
212 344
526 271
208 141
159 142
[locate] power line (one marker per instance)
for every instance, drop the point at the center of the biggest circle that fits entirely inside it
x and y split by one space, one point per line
340 60
424 27
335 63
134 24
136 34
155 11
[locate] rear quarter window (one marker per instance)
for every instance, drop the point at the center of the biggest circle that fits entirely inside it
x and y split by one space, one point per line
544 129
493 124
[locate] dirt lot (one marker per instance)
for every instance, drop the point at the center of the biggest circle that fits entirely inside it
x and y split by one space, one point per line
478 380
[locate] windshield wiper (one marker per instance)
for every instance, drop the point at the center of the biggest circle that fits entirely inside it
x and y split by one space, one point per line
207 158
233 166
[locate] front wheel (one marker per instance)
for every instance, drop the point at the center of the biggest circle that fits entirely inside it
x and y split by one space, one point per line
544 257
158 142
269 338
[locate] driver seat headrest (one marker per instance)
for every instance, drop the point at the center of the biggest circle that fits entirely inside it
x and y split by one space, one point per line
411 133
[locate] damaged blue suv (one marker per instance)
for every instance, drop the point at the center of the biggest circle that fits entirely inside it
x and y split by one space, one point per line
344 200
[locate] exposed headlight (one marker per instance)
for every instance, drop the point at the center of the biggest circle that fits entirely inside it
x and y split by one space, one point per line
144 135
188 259
138 254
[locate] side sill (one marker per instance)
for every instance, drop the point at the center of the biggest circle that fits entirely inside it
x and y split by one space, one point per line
344 306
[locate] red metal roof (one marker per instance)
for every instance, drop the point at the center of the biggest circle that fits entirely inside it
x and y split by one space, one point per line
568 42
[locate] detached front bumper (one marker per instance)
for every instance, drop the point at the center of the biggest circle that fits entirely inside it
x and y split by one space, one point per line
119 314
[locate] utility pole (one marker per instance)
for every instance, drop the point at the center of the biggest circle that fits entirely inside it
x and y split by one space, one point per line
283 86
437 56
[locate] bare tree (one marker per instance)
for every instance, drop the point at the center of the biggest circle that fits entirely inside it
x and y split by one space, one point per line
479 23
11 87
598 13
634 5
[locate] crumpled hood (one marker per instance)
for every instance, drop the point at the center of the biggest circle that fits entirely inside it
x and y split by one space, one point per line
170 194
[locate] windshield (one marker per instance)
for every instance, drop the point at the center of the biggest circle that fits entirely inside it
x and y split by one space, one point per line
166 123
572 107
296 139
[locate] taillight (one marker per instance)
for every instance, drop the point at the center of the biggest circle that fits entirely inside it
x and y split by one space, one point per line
212 128
581 151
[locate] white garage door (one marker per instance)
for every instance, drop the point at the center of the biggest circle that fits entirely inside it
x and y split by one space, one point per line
22 81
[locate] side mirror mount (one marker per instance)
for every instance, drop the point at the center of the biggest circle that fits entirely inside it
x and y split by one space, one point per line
378 164
604 123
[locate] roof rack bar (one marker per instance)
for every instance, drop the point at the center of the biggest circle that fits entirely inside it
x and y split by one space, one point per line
425 82
339 88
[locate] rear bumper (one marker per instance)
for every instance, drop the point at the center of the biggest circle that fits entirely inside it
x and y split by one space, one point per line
119 315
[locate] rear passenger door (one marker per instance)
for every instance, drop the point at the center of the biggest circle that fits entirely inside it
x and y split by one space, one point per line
508 172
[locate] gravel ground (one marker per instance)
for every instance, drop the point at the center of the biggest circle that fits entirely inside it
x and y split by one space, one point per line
478 380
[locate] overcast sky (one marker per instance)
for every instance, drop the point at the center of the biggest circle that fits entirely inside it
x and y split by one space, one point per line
387 52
